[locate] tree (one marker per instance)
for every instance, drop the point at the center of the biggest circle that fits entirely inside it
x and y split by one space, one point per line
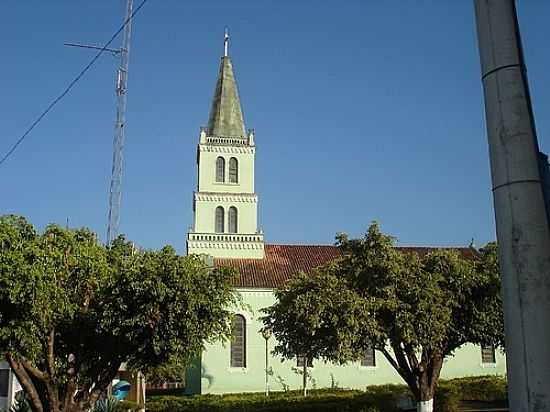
73 310
312 314
416 310
172 370
424 307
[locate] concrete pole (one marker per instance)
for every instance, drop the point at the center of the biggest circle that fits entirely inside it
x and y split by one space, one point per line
523 231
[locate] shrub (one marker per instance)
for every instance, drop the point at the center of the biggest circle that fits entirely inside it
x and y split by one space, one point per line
164 392
380 398
109 404
323 400
129 406
450 393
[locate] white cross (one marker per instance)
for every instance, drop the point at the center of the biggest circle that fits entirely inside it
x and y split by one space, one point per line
225 42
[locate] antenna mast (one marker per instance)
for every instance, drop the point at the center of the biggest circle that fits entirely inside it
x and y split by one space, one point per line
115 192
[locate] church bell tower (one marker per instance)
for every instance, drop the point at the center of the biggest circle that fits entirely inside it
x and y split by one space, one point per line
225 206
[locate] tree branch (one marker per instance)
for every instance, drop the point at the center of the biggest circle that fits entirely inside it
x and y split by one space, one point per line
68 397
26 383
43 378
33 370
104 381
411 357
89 397
406 374
50 359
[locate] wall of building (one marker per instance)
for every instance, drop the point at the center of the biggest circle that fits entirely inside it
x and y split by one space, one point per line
207 168
205 211
9 386
213 374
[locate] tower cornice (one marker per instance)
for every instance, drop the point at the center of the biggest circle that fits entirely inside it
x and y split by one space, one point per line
205 147
225 197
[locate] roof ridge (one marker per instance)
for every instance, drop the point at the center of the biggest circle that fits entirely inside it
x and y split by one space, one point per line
299 244
335 246
432 247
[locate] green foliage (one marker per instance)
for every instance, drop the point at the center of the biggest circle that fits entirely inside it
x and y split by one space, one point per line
488 390
309 377
435 302
379 398
313 314
21 403
477 388
109 404
164 392
73 310
129 406
318 400
172 370
415 308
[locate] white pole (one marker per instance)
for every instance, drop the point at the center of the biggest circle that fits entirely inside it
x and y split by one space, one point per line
521 221
266 369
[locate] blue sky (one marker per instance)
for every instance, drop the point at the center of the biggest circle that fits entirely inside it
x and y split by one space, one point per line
363 110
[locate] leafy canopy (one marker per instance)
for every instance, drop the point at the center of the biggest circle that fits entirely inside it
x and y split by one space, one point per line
73 310
416 308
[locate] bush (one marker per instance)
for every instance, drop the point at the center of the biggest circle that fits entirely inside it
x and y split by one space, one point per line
164 392
323 400
450 393
380 398
129 406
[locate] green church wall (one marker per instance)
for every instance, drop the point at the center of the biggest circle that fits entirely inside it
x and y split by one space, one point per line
216 375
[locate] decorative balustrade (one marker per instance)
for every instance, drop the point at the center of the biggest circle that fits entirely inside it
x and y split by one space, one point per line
230 141
226 237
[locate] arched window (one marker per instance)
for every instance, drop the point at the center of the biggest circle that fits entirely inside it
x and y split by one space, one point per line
220 169
233 170
488 354
219 220
238 342
232 219
369 357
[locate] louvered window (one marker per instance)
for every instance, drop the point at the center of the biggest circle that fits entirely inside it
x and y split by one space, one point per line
220 169
238 342
300 362
4 382
369 357
488 354
219 219
233 170
232 219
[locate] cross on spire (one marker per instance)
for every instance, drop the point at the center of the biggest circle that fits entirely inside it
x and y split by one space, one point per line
225 42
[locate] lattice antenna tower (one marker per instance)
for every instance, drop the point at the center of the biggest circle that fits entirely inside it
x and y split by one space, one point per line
115 192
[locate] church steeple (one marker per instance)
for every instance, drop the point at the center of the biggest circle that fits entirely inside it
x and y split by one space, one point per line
226 117
225 204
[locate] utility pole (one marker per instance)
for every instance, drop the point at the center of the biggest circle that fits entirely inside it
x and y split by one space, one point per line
115 191
523 230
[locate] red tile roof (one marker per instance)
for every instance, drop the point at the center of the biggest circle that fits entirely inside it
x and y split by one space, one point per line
281 262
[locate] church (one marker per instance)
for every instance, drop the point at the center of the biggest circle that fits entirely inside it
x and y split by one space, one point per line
225 228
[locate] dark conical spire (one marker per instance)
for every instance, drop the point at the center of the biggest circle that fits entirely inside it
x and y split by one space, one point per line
226 116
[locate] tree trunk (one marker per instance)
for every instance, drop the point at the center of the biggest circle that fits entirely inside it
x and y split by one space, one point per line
425 406
304 377
26 383
426 390
427 382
